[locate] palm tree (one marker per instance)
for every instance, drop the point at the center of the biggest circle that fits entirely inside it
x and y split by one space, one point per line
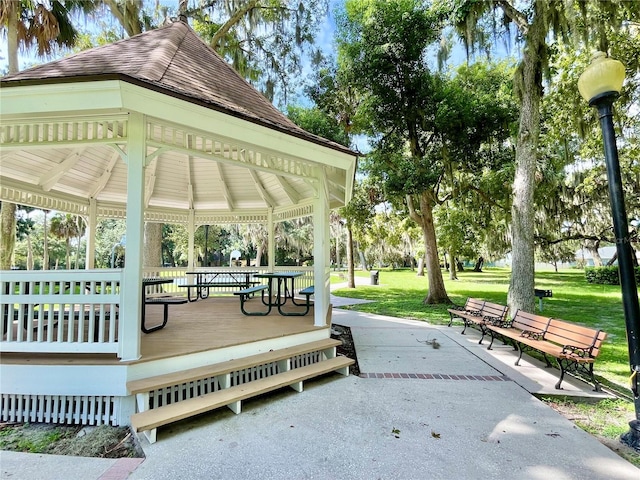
45 256
46 24
80 231
65 227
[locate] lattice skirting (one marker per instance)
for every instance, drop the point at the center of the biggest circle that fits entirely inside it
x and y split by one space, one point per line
64 409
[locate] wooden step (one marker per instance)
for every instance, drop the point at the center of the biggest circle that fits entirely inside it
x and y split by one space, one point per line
145 385
187 408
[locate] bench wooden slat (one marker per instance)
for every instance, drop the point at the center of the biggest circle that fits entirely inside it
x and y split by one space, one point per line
187 408
145 385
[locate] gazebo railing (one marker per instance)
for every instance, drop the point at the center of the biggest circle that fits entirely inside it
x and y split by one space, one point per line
60 311
180 275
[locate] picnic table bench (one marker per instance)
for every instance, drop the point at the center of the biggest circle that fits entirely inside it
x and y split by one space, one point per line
163 299
249 292
574 347
165 302
278 301
479 313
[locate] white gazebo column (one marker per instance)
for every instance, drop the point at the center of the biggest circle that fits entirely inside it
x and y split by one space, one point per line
321 256
92 225
271 240
130 310
191 228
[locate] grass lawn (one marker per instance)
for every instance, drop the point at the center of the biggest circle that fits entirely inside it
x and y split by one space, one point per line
401 292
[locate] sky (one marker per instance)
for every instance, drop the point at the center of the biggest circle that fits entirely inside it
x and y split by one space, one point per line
324 41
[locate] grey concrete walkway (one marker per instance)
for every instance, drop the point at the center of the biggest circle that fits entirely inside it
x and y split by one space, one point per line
456 412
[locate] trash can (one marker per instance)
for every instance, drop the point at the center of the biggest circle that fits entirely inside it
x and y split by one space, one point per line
374 275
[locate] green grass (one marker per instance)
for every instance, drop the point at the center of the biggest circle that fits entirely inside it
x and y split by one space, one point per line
401 292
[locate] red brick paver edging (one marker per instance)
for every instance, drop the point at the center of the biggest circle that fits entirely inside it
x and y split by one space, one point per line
121 469
439 376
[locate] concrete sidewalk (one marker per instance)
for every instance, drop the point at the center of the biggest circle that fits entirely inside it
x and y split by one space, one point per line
416 412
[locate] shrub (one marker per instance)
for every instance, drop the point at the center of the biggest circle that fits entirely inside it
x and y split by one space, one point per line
606 275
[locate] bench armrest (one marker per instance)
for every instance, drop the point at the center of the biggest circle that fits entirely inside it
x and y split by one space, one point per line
532 335
497 321
573 351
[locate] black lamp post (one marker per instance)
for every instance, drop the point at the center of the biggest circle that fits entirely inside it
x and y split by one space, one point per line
600 85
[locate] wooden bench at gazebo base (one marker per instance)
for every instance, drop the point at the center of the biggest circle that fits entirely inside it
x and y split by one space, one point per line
283 365
574 347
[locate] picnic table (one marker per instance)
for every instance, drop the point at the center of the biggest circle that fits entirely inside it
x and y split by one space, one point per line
206 279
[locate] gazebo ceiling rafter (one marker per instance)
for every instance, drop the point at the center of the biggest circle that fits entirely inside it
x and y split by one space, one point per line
106 175
51 177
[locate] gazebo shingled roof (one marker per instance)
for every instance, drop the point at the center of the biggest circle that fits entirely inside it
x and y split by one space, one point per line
176 61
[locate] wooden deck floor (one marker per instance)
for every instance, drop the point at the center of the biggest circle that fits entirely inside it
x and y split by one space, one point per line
215 322
209 324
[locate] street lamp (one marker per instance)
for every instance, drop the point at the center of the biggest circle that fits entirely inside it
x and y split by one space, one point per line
600 85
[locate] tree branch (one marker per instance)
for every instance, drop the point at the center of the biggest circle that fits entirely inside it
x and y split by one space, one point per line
235 18
515 15
487 198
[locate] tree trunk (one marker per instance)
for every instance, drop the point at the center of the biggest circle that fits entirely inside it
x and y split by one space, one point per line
67 253
420 272
29 253
79 238
613 259
528 77
7 209
595 254
478 266
45 243
437 292
7 234
338 251
363 260
453 274
182 10
152 245
351 280
258 255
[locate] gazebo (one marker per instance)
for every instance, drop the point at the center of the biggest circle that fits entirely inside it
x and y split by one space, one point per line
154 128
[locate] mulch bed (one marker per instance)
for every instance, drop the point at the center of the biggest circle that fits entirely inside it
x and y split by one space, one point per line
348 348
